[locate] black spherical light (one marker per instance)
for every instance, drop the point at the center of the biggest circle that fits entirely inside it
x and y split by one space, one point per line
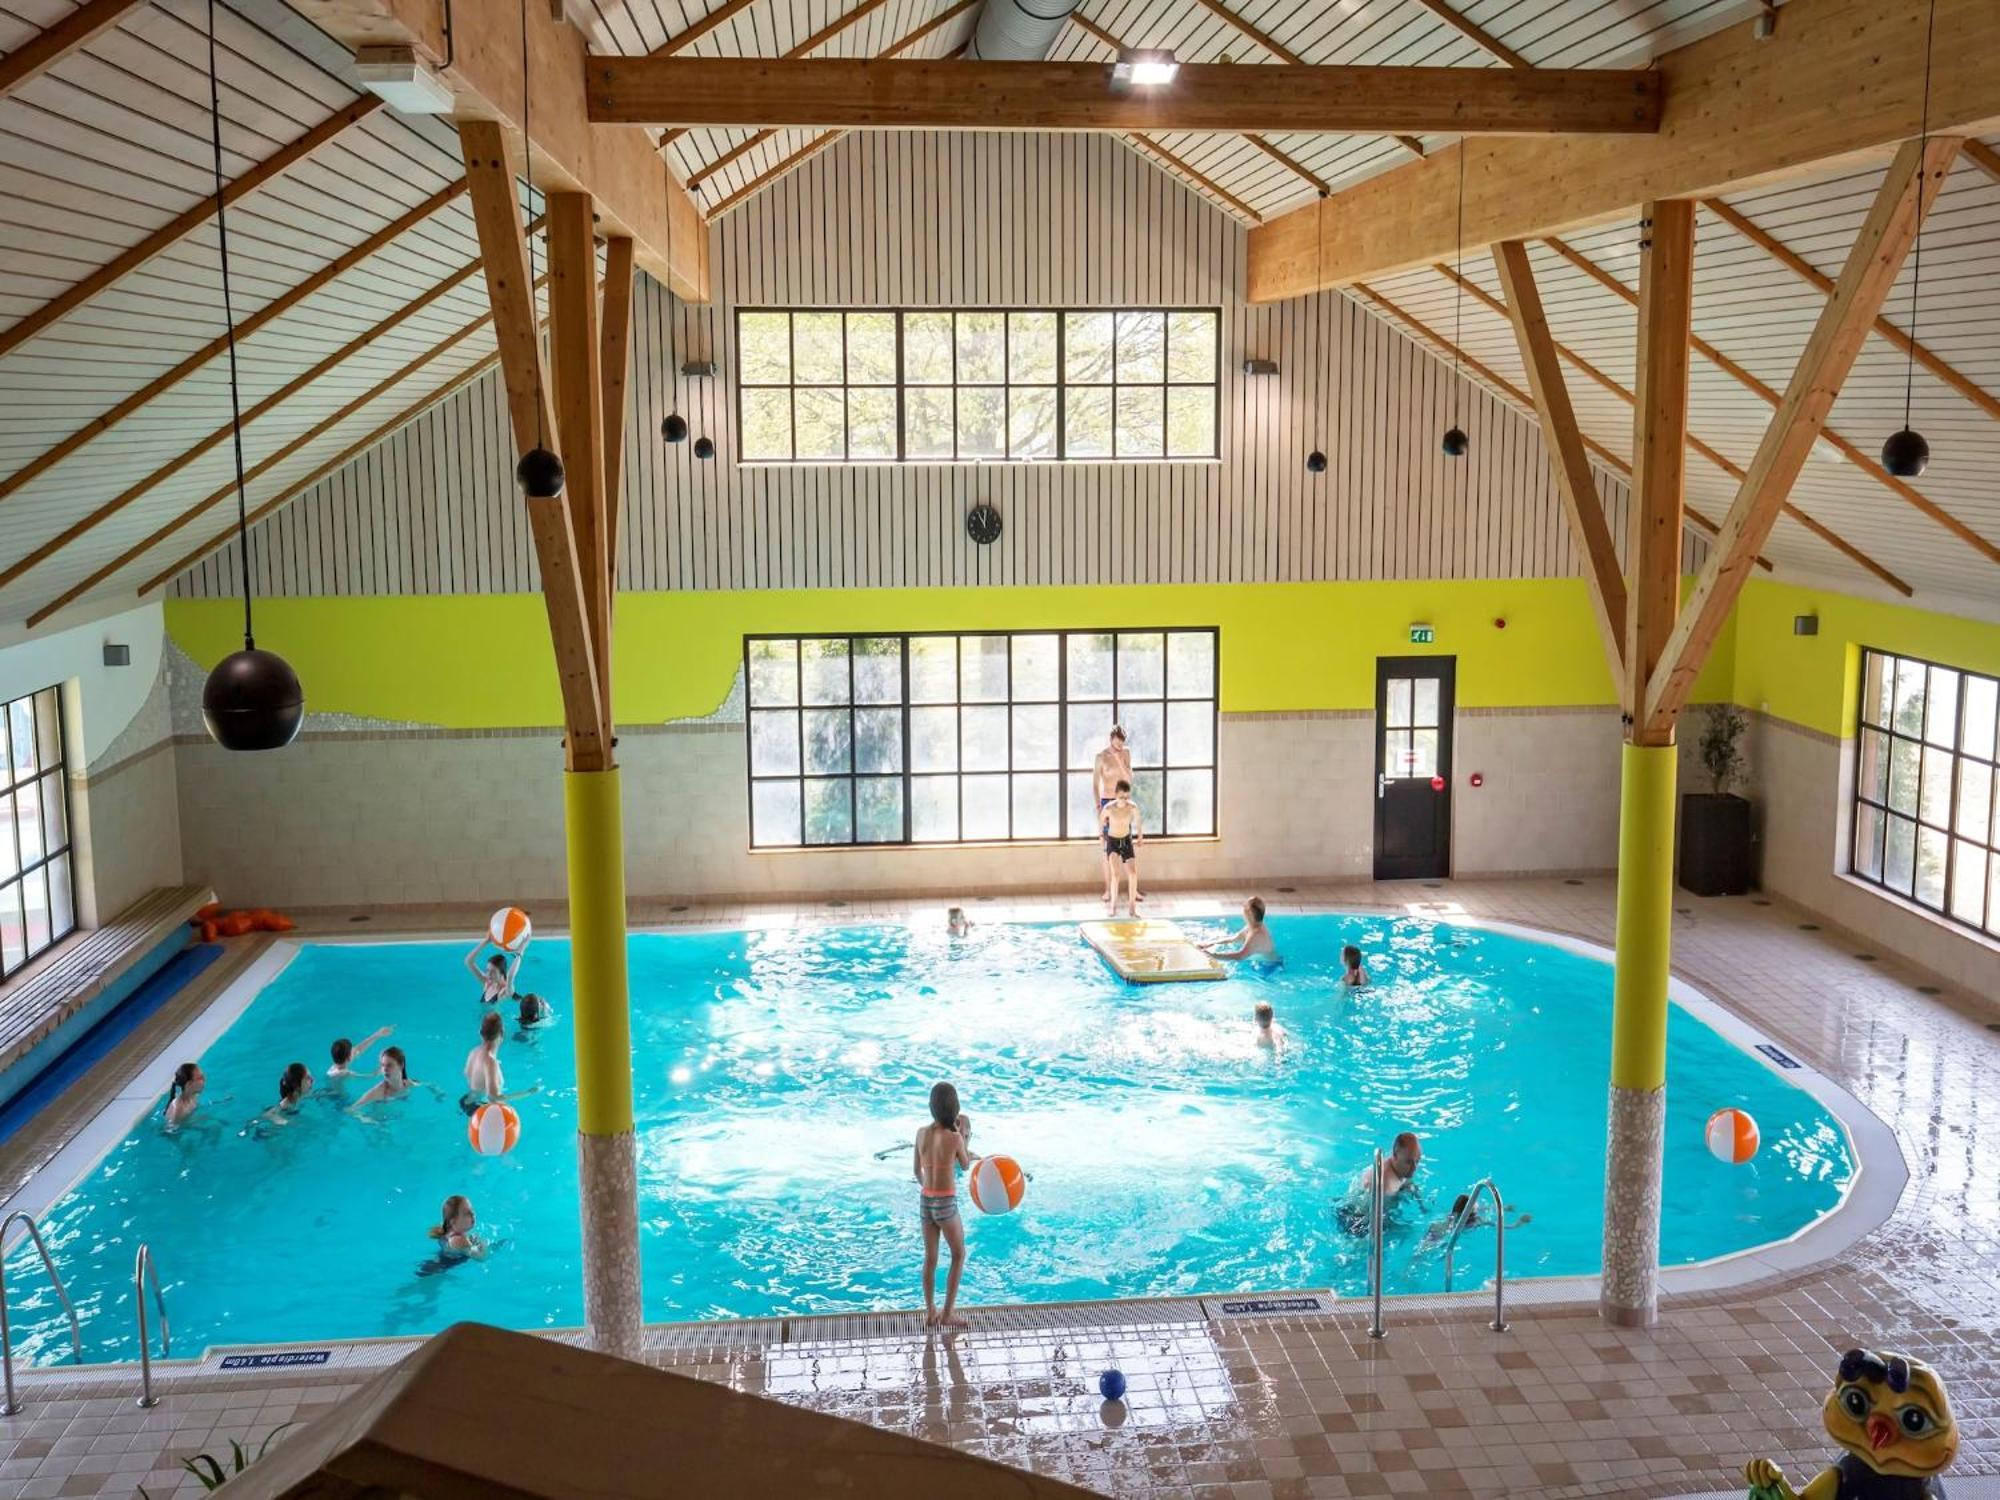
539 474
253 701
674 428
1906 454
1455 442
704 447
1315 462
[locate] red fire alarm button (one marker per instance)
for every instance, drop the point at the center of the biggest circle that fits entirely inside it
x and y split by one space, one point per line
1437 783
1478 778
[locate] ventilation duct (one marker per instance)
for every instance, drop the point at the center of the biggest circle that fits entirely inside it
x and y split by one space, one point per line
1018 30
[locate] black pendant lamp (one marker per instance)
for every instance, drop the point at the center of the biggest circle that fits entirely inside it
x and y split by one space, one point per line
539 474
673 426
252 700
1455 442
1906 455
1316 460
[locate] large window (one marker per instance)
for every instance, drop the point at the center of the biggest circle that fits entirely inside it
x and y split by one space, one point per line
983 385
941 739
1924 790
37 900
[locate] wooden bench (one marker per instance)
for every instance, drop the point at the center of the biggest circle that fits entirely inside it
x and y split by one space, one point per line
83 967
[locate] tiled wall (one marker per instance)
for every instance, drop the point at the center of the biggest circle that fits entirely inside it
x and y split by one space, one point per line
386 816
1803 791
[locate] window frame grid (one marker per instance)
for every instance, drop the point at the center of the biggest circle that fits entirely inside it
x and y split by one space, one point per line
1060 385
1884 811
908 776
12 788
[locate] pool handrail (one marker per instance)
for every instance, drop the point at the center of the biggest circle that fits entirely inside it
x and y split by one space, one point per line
1375 1247
1484 1185
10 1406
143 1267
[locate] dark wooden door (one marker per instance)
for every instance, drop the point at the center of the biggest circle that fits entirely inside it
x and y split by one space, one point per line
1413 711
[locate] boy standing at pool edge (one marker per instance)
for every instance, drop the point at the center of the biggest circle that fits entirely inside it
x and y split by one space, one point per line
940 1152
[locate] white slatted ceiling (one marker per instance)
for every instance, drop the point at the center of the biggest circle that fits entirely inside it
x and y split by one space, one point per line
972 219
111 143
1759 313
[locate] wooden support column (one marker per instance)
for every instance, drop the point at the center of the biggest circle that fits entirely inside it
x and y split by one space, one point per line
574 357
615 345
1908 189
1629 1293
1574 481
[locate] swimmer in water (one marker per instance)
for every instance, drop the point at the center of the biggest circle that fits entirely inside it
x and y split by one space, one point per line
346 1053
496 979
1252 942
293 1085
955 922
1269 1033
1399 1169
940 1151
1464 1210
453 1231
1354 972
184 1094
534 1011
484 1082
396 1080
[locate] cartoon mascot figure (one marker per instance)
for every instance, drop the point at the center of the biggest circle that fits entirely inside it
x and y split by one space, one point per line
1890 1413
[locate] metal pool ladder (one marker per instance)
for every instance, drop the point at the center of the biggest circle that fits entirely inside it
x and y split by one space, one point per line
1375 1256
143 1269
1484 1185
11 1406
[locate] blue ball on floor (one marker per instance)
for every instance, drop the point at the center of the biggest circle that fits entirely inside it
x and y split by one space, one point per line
1111 1385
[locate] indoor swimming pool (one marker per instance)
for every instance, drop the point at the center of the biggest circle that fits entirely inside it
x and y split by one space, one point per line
780 1074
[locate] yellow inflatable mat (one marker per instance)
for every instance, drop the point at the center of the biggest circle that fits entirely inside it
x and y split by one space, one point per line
1150 952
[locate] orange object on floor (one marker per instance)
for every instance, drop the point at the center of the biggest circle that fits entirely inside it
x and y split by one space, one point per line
213 922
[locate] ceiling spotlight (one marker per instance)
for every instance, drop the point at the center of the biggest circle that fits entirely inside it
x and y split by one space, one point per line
674 427
539 474
704 448
1145 70
1315 462
1455 442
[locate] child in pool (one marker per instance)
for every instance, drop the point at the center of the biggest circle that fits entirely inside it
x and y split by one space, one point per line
1463 1208
184 1094
1269 1032
496 979
453 1231
346 1053
534 1011
940 1151
1355 975
955 922
484 1082
396 1079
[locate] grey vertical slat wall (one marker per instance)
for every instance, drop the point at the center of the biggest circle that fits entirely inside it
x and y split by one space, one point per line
913 219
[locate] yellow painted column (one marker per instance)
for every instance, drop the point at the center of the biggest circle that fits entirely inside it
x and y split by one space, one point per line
1637 1135
601 1022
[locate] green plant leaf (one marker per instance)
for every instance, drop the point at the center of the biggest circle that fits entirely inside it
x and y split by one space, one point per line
264 1447
212 1478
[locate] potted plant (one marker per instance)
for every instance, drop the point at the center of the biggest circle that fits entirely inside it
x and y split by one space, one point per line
1715 825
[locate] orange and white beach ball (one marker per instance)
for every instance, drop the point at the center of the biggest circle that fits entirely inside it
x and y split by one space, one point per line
510 929
1732 1136
493 1129
996 1184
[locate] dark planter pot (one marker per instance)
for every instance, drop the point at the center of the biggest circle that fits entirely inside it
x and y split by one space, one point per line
1715 844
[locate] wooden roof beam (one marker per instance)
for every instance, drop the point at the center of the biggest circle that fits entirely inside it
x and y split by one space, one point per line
1727 465
866 94
1511 391
1840 79
1473 32
182 225
77 29
346 261
736 153
1908 189
1866 463
1779 251
1582 505
475 52
773 172
1283 53
270 461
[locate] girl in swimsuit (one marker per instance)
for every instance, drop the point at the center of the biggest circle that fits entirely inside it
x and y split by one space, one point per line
940 1151
184 1094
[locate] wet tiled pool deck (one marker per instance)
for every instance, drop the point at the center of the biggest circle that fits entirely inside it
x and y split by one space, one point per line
1560 1406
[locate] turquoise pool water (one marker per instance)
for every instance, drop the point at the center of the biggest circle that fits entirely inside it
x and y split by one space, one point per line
1169 1153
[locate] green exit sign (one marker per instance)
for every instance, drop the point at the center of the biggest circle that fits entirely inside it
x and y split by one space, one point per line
1422 635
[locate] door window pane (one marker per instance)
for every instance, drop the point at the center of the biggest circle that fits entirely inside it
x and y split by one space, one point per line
1424 703
1398 697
